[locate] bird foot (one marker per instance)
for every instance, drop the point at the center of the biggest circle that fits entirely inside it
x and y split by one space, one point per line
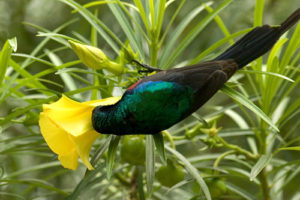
148 68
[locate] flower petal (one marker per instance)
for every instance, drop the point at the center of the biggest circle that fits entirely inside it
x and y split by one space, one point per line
83 144
72 116
56 138
103 102
70 160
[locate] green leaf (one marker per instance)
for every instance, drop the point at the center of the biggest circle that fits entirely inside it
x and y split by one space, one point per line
67 79
40 46
238 190
35 182
159 143
152 14
94 42
33 169
111 154
30 59
160 15
217 45
86 182
174 37
189 37
5 55
179 185
13 195
102 29
292 109
220 23
193 171
13 44
21 111
267 73
96 3
140 7
140 183
43 61
297 148
258 12
150 163
99 152
291 48
249 104
125 25
34 83
60 38
260 165
170 22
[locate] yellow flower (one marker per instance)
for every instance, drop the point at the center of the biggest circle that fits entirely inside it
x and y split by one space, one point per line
67 128
95 58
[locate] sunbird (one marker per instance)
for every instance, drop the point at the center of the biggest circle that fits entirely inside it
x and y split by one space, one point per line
159 101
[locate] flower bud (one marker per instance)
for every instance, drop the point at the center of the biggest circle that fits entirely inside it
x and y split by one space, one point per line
95 58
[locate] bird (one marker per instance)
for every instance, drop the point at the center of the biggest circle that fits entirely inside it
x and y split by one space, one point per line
157 102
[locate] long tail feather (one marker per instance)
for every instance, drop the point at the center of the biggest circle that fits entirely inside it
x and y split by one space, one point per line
258 41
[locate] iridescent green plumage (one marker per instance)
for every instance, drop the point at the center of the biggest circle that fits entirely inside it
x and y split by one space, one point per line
143 110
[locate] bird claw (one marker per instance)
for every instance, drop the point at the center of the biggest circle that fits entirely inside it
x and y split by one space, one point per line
148 68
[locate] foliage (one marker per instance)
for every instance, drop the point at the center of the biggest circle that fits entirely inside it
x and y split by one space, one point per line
249 145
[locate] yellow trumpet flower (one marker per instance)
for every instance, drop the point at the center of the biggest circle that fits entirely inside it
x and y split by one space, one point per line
67 128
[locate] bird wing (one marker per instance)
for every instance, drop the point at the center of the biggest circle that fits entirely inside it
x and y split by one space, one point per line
197 76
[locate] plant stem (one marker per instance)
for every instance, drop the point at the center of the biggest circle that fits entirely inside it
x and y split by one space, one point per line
236 148
134 184
264 184
170 138
263 175
218 160
153 52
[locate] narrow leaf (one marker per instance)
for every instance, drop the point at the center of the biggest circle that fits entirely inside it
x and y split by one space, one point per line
249 104
33 169
173 39
193 171
261 163
238 190
159 144
217 45
268 73
140 183
40 46
111 154
13 44
125 25
149 163
140 7
36 182
67 79
258 12
290 148
102 29
193 33
160 15
5 55
34 83
170 22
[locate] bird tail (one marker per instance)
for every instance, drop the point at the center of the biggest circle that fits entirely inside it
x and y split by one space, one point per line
258 41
